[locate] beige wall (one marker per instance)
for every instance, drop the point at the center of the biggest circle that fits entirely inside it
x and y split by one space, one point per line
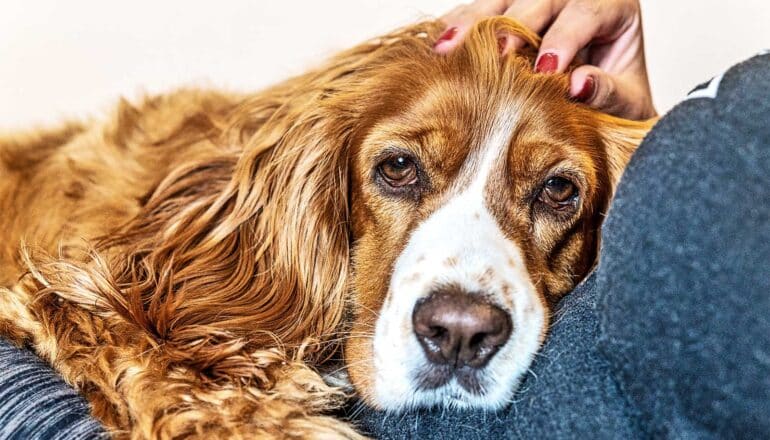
689 41
74 57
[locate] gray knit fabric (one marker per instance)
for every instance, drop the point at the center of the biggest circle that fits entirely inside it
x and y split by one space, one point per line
685 289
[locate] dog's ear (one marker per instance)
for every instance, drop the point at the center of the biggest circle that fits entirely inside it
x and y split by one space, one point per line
292 181
621 137
246 250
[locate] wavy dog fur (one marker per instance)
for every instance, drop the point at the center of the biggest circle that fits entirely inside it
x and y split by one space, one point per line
200 243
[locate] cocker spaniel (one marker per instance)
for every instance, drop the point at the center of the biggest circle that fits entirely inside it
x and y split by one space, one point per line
215 265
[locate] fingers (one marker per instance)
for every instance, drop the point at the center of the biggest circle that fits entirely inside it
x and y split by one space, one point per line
583 85
608 33
616 95
575 27
462 18
534 14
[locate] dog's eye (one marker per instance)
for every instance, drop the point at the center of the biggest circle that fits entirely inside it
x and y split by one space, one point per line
398 171
558 192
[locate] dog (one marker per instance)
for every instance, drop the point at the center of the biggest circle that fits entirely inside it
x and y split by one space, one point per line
219 265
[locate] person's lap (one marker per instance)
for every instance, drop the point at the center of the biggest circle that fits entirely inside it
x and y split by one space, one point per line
669 337
685 287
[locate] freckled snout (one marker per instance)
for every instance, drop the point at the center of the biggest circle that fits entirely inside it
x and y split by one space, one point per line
458 329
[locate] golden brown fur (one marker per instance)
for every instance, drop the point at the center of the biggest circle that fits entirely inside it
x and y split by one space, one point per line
186 263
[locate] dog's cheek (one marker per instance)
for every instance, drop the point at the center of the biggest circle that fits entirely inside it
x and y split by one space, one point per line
359 357
373 256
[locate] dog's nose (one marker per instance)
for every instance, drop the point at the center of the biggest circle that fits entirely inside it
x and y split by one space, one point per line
458 329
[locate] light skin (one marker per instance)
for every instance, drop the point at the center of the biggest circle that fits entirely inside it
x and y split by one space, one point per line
605 36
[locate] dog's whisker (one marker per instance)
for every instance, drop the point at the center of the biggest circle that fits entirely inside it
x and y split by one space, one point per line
374 313
348 365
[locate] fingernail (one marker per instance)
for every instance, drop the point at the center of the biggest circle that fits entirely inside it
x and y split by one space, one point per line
587 92
446 36
548 63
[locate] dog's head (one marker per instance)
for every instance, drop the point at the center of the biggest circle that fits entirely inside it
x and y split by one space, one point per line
425 209
477 191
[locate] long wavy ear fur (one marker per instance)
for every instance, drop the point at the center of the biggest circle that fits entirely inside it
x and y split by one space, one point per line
245 249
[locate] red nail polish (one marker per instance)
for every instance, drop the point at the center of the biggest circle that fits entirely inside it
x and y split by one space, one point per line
548 63
446 36
587 92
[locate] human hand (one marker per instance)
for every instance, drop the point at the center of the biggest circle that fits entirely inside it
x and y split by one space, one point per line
608 33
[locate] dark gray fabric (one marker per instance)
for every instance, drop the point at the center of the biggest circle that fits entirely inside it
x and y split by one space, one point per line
670 338
686 314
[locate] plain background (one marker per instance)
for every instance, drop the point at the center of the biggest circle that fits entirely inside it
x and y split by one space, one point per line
73 58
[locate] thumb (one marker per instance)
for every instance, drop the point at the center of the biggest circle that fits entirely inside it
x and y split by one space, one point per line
611 94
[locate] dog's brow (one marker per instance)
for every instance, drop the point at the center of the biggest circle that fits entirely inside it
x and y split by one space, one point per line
481 162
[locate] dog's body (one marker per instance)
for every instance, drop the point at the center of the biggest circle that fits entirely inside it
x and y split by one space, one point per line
212 250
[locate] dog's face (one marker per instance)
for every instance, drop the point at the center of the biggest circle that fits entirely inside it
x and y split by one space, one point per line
476 199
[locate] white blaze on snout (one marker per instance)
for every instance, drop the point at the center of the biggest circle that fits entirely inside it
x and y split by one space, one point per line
460 244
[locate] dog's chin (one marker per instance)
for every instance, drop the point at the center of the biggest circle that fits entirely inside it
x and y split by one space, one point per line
464 389
438 387
440 376
459 392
